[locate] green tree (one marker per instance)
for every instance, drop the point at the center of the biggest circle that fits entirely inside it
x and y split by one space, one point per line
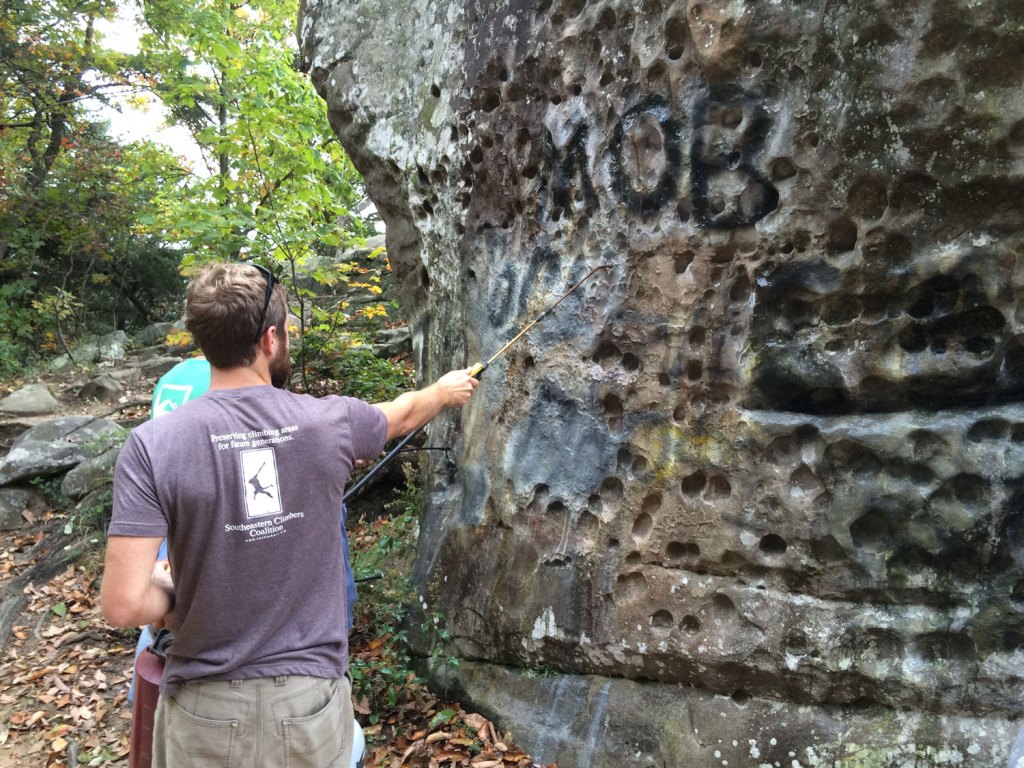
278 186
71 252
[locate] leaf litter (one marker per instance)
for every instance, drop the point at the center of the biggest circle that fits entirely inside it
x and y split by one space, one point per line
64 677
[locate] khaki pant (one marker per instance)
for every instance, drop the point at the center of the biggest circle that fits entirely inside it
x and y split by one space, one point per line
276 722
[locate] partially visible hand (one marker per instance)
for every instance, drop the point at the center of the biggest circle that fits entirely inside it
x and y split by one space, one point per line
161 575
457 387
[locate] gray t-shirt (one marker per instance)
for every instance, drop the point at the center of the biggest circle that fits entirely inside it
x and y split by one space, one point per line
247 485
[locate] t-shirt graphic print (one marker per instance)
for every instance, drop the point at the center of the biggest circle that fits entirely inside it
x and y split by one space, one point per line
259 469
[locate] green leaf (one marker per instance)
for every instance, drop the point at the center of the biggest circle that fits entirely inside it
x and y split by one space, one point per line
441 718
59 609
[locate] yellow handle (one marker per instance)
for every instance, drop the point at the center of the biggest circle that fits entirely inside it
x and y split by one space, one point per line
476 370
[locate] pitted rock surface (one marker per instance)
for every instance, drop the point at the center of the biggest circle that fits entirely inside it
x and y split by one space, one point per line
776 451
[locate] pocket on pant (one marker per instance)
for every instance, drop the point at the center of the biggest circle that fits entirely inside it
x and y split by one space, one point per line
198 742
318 740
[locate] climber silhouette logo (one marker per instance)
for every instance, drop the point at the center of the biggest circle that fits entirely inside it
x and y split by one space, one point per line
259 471
257 487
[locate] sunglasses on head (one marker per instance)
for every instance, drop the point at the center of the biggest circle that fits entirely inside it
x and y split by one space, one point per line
266 298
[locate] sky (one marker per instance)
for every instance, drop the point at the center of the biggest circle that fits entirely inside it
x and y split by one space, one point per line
132 122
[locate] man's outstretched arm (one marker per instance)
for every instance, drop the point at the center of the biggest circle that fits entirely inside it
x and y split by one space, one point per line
411 410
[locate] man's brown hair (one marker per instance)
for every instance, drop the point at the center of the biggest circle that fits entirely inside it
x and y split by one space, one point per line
222 309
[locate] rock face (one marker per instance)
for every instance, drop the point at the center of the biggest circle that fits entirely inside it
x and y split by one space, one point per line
776 453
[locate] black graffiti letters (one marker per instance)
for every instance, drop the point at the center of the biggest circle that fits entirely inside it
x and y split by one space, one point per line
648 171
645 156
568 166
509 298
728 190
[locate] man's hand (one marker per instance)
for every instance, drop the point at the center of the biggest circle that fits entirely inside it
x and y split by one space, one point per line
457 387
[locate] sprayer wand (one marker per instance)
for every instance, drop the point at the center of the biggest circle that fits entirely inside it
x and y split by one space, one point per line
476 371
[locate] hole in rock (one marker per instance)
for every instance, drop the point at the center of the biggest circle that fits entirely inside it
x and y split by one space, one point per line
632 560
803 482
655 74
690 624
868 198
679 553
841 236
630 587
922 307
740 289
571 8
556 508
782 168
719 487
773 544
828 550
606 352
722 607
490 100
784 449
587 524
989 429
651 503
871 530
682 261
1017 595
612 405
662 621
981 346
1015 138
694 483
642 526
967 488
913 339
757 200
677 32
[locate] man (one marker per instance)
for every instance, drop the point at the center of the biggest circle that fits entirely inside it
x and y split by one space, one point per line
257 606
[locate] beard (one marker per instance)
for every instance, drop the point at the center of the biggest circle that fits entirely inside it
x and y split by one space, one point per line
281 367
